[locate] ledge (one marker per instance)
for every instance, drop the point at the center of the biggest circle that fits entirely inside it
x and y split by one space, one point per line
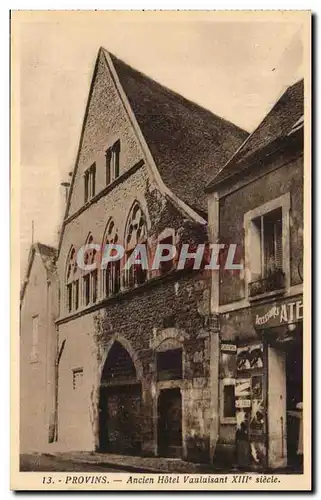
104 191
266 295
125 294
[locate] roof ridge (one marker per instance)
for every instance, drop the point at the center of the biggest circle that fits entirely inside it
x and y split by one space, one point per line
286 92
169 122
174 93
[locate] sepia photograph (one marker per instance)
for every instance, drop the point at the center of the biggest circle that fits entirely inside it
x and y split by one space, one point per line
161 191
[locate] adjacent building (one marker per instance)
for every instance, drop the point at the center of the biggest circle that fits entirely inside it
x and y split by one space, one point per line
256 201
38 344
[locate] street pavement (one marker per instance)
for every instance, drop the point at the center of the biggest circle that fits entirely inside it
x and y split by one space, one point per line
41 463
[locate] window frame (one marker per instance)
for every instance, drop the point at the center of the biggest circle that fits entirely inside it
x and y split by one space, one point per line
71 288
86 283
76 294
283 202
90 183
77 371
69 297
132 273
111 273
162 354
261 223
223 383
112 162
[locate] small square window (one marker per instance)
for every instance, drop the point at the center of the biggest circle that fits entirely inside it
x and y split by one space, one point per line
77 378
229 401
169 365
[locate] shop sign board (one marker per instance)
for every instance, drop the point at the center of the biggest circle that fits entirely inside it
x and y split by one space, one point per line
278 313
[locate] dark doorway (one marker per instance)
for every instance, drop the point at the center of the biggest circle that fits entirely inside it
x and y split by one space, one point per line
119 404
170 423
120 420
294 399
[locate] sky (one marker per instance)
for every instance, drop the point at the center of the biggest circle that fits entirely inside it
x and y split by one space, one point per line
235 68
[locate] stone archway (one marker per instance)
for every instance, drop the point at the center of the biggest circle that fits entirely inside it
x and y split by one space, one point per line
119 403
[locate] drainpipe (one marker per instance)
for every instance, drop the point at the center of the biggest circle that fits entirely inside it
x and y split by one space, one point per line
214 329
57 361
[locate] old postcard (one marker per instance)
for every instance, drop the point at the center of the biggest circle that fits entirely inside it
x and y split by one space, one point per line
161 190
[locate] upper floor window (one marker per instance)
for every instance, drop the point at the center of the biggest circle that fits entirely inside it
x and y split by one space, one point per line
112 162
90 182
72 282
136 234
169 364
267 233
111 275
90 278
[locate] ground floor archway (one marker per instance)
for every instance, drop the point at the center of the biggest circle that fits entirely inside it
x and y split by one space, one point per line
119 404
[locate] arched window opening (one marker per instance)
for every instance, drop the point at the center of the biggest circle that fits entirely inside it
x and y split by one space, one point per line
119 366
136 234
111 275
120 404
72 282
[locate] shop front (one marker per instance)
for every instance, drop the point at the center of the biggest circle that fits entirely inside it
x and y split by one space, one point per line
266 341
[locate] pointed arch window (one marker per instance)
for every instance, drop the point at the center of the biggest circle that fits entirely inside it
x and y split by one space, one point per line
90 278
136 233
72 282
111 274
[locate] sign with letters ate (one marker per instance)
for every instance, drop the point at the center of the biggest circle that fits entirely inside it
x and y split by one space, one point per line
280 313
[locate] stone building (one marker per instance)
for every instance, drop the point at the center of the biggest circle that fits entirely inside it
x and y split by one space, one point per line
256 201
38 312
137 350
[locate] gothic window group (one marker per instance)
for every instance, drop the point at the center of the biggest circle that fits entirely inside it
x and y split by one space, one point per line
83 285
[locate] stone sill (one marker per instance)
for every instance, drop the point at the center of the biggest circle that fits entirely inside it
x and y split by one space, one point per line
265 295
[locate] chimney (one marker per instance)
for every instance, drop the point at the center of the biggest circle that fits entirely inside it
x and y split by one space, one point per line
63 197
66 186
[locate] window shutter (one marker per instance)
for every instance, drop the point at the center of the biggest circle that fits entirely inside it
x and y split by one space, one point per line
278 245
